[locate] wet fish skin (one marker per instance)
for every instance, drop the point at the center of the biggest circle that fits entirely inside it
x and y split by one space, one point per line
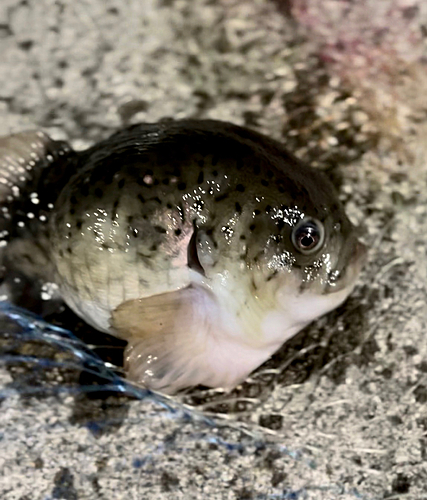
178 237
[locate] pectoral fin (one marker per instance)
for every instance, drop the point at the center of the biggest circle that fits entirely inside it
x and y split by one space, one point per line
165 335
148 317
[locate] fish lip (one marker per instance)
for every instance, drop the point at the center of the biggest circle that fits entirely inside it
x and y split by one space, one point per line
347 279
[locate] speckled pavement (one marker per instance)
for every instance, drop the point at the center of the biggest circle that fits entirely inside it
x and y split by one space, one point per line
340 412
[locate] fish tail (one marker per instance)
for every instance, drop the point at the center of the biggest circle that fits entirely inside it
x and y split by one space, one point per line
33 169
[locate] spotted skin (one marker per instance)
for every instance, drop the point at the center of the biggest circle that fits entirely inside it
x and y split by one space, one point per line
196 212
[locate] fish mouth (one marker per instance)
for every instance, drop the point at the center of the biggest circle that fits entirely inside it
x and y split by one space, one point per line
349 269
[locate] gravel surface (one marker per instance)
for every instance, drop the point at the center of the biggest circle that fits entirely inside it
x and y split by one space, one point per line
340 411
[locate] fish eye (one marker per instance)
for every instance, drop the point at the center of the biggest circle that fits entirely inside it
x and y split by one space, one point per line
308 236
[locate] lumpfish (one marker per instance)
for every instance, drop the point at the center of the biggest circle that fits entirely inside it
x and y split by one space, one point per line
204 245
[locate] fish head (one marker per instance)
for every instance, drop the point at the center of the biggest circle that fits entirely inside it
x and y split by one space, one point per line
309 259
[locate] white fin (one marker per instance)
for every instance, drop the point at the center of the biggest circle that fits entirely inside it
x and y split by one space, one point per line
181 339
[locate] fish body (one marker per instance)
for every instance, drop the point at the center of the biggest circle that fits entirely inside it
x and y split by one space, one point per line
203 244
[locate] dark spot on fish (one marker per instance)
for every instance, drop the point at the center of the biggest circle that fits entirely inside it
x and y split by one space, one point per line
156 182
153 247
72 211
280 224
281 189
79 224
254 286
69 250
242 237
270 174
268 208
116 204
130 219
272 275
221 197
200 178
160 229
166 181
157 199
141 198
73 200
61 253
178 232
257 212
238 207
264 182
181 186
215 173
240 188
98 193
252 227
121 183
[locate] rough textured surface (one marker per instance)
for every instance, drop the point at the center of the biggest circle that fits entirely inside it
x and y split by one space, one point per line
349 393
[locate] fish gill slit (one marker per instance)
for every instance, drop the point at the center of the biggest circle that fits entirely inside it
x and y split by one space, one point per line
193 261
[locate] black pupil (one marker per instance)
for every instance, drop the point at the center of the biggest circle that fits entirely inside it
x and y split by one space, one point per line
308 237
307 241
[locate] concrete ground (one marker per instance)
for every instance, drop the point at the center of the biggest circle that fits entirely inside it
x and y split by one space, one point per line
340 411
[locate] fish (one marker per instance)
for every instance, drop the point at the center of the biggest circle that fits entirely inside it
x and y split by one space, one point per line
203 244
